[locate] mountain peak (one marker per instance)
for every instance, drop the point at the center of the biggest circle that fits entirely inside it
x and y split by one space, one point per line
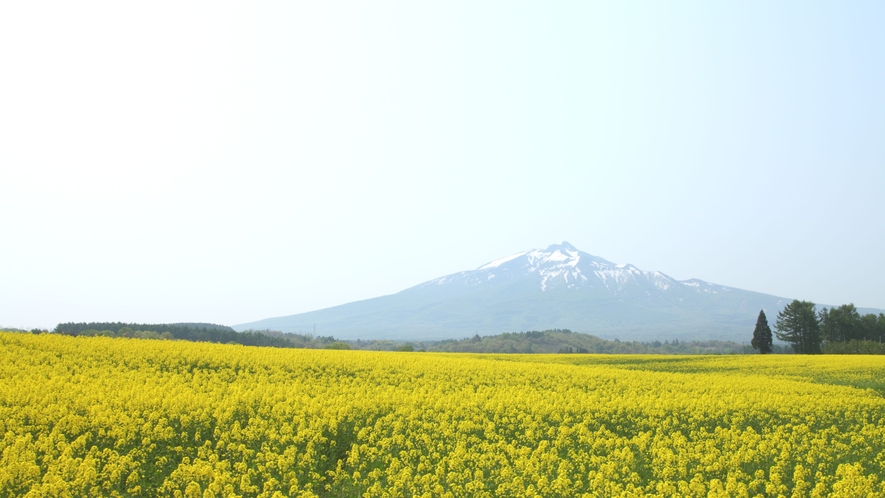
565 246
555 253
555 287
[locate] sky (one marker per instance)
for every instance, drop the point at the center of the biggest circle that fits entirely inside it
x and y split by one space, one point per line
226 162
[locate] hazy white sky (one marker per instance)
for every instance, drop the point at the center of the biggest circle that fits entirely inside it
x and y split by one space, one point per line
231 161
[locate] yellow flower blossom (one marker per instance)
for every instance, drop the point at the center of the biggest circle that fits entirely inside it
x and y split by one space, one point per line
126 417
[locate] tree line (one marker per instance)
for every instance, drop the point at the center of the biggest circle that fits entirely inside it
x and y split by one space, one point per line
839 330
194 332
563 341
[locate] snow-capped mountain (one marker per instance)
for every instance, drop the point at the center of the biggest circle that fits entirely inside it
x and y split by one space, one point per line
556 287
561 272
564 266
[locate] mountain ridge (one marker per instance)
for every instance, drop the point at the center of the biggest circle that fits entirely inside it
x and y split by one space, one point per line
556 287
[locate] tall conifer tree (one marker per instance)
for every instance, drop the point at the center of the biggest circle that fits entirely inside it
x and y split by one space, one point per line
797 324
762 334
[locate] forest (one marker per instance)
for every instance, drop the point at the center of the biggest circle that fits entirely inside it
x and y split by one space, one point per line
838 330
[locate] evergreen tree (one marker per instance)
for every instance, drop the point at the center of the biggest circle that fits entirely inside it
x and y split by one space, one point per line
762 334
797 324
877 332
872 327
841 324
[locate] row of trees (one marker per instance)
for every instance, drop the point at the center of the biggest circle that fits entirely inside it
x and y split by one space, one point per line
567 341
808 331
129 333
200 332
195 332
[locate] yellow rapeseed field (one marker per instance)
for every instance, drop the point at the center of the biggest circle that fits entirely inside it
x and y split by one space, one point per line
126 417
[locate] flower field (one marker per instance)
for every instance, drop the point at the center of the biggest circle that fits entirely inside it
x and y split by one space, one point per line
94 416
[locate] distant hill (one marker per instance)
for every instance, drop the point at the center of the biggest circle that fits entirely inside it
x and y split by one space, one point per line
561 341
197 332
558 287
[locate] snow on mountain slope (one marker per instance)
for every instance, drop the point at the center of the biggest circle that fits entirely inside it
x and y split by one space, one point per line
555 287
562 266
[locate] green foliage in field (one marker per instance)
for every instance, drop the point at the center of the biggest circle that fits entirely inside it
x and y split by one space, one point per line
854 347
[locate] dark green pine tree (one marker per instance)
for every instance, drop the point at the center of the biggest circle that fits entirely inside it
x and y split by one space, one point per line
797 324
762 334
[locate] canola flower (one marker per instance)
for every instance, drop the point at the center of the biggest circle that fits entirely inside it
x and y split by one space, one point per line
94 416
